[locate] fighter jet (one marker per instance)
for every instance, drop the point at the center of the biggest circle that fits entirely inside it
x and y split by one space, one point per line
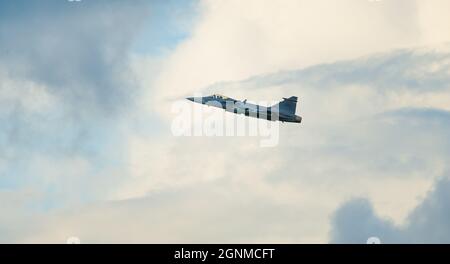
284 111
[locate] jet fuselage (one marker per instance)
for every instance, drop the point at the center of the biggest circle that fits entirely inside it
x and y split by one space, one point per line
283 111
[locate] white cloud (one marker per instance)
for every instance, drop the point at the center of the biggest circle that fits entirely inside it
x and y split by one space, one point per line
353 141
236 39
31 96
433 18
190 186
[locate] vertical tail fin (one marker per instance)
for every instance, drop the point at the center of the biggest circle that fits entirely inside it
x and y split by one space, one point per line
288 105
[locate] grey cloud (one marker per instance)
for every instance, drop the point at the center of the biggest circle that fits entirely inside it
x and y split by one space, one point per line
410 115
429 222
77 53
418 70
78 50
355 221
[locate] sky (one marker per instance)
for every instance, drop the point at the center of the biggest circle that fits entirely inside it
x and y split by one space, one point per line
87 97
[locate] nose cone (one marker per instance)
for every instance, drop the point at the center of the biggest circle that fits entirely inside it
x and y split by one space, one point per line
198 100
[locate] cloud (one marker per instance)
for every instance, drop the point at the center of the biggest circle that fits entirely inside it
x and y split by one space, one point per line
79 51
360 212
348 146
233 40
85 134
355 221
65 85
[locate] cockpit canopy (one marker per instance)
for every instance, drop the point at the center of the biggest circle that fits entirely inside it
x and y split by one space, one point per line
218 96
